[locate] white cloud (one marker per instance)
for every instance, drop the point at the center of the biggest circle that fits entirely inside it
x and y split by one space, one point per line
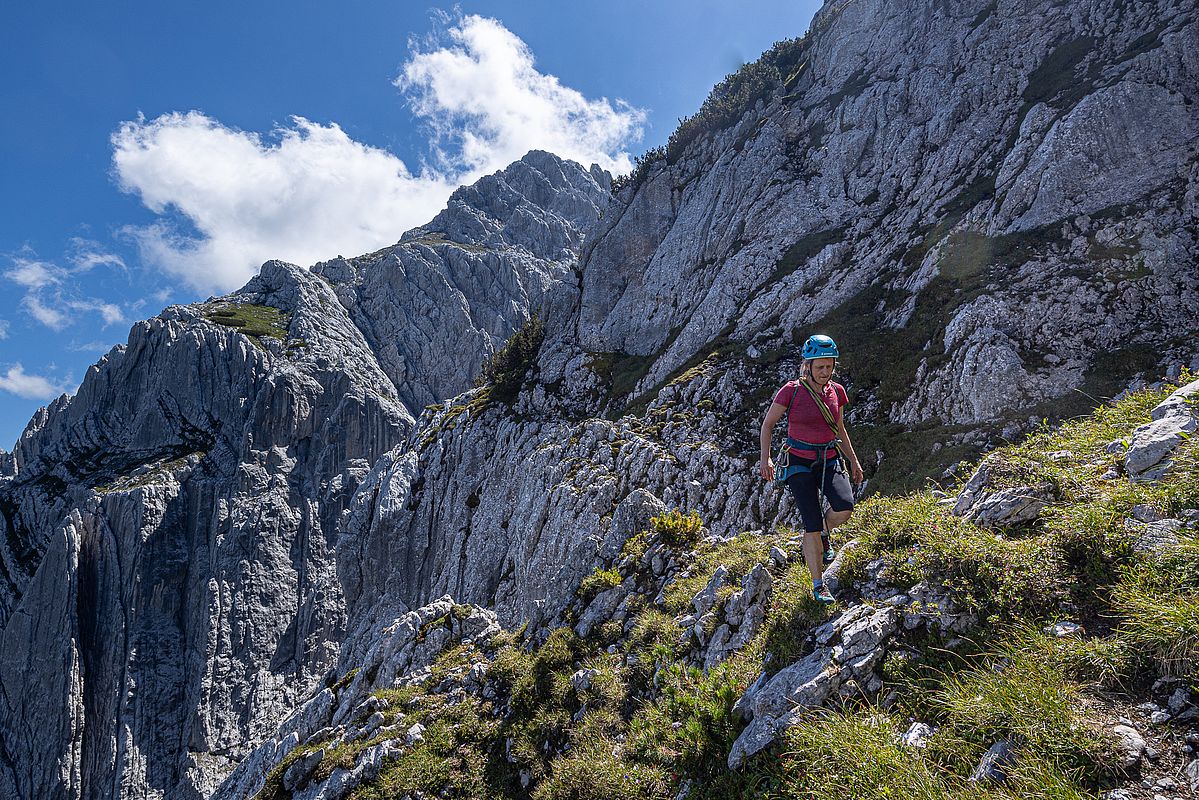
86 254
96 347
487 103
49 315
309 195
307 191
52 296
58 312
111 313
31 387
34 274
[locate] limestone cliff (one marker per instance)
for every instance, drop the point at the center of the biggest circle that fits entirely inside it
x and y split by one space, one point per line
169 586
989 206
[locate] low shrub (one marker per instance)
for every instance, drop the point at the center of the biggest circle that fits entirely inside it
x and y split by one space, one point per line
692 726
677 529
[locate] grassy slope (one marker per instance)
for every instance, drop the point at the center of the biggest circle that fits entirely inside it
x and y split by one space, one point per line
648 721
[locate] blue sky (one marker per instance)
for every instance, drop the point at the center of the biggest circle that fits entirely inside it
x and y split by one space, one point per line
154 153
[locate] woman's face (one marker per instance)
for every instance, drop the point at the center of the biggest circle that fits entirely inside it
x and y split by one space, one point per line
822 369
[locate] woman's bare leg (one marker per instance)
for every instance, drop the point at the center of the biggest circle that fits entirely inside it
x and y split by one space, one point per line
813 554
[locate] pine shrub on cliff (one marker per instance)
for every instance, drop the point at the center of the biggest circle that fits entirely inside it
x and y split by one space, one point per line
507 368
724 106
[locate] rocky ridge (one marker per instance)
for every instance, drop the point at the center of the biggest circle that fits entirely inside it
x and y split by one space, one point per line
178 517
660 565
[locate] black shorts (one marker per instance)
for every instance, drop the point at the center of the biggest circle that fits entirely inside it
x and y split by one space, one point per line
806 489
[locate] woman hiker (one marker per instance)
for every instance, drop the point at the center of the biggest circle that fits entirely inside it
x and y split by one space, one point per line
817 444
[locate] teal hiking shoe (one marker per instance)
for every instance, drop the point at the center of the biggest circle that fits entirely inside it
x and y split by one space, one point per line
821 595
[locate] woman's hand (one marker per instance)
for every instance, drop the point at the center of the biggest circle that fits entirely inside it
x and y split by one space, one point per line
766 469
855 473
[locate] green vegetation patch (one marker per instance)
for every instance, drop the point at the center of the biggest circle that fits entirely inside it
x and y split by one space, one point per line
804 249
505 372
597 582
738 555
443 760
148 474
1075 552
792 614
676 529
692 726
255 321
620 371
1054 81
595 769
1020 696
862 757
1158 599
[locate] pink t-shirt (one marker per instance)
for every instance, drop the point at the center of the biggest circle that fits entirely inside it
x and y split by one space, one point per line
805 421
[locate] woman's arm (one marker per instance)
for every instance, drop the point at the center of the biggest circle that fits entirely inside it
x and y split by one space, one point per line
773 415
855 466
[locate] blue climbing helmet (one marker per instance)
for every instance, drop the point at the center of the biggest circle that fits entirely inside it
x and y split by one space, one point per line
820 346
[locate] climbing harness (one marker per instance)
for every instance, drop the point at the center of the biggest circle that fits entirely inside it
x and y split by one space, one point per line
784 467
783 459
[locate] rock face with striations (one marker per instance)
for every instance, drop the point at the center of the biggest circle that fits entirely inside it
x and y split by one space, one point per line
172 587
169 587
991 210
435 305
999 203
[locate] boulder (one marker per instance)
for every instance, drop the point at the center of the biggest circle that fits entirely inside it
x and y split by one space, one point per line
1192 773
1152 537
917 735
994 763
1148 456
807 683
706 598
600 610
296 774
992 507
1129 743
1008 507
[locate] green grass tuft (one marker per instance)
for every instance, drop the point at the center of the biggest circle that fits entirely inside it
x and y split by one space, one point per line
597 582
255 321
1158 600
